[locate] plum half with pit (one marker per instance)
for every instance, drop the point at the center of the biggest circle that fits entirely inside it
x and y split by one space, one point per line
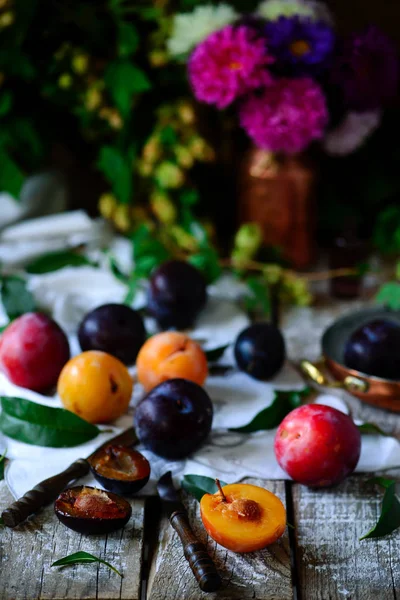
120 469
374 349
174 419
113 328
177 293
260 350
92 511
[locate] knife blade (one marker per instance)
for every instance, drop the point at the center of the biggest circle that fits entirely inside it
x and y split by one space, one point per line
46 491
196 554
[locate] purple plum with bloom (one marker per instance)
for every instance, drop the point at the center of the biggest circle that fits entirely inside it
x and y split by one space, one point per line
301 46
228 64
287 116
366 70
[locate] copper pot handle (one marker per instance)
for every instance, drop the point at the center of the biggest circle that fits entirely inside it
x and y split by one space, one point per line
350 383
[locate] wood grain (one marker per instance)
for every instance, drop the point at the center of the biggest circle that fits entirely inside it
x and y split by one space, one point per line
27 552
261 575
332 564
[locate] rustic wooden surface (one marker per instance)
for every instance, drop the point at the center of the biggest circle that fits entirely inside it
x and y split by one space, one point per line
27 552
263 575
321 559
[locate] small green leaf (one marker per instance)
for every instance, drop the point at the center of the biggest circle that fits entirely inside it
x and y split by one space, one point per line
370 428
216 353
118 172
83 558
389 295
53 261
148 252
389 519
189 197
124 80
207 262
132 289
16 298
128 39
41 425
168 136
5 103
270 417
259 300
116 271
198 485
2 464
11 175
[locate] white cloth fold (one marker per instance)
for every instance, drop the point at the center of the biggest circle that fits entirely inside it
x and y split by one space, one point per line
70 293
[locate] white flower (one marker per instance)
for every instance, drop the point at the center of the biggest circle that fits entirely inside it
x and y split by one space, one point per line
352 132
189 29
273 9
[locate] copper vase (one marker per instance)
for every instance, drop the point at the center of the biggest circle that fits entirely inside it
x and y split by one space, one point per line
278 193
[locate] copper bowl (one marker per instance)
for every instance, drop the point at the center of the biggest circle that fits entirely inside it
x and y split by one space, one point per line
384 393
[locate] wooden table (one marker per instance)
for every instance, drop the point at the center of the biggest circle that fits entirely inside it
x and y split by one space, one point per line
320 559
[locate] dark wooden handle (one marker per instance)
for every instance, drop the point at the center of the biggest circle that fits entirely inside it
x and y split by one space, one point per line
43 494
196 554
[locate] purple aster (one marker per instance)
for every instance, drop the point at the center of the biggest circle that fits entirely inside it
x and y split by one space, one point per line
366 70
301 45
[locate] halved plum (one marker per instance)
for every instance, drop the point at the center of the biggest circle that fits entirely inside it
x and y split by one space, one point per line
92 511
120 469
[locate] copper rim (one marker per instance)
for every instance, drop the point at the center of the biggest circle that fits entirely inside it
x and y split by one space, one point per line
381 392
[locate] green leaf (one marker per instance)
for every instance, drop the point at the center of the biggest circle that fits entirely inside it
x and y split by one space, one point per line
207 261
259 300
148 252
189 197
116 271
216 353
198 485
132 289
5 103
11 176
124 80
16 298
117 171
370 428
41 425
389 295
53 261
270 417
82 558
2 464
389 519
128 39
386 235
168 136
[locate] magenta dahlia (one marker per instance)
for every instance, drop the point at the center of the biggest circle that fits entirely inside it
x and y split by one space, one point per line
228 64
287 116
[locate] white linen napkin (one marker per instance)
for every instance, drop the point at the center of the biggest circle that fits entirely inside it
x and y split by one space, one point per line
71 292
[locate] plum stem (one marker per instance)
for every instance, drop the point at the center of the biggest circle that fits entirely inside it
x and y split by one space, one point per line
218 484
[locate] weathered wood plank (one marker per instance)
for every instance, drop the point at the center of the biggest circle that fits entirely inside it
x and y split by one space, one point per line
261 575
331 561
27 552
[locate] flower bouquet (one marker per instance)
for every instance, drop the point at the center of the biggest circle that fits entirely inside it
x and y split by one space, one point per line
291 79
292 82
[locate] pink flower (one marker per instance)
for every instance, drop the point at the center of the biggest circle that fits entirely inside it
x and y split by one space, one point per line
228 64
287 116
